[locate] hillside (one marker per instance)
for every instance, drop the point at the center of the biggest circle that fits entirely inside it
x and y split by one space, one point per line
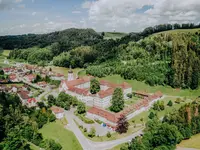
69 38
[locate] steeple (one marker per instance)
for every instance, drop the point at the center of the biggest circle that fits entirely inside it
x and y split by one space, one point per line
70 74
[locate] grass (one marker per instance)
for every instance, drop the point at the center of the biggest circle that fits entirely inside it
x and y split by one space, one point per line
131 101
66 138
114 35
138 86
193 142
63 70
33 146
119 146
3 55
180 31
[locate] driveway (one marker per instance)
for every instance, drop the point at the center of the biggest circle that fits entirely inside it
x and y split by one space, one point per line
91 145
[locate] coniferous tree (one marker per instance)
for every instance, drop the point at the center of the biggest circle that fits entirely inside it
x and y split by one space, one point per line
117 100
94 86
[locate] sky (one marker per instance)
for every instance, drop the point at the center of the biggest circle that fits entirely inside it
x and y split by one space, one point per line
44 16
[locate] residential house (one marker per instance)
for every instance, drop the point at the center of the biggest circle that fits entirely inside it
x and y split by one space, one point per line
58 112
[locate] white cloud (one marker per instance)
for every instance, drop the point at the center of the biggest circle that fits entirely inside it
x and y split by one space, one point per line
36 25
22 26
46 18
76 12
34 13
87 4
123 15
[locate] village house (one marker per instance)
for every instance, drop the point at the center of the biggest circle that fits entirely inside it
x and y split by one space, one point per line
58 112
13 78
30 77
81 89
24 96
42 84
31 102
57 76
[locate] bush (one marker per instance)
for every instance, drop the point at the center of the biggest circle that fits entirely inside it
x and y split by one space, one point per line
98 121
85 130
170 103
108 134
178 100
92 132
83 118
129 95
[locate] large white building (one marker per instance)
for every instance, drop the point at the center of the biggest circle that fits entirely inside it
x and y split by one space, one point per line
81 89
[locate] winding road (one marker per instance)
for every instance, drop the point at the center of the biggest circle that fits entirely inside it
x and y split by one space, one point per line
91 145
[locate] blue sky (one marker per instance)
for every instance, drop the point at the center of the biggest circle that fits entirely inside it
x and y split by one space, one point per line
42 16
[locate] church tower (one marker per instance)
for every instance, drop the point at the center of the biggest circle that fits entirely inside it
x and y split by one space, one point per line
70 75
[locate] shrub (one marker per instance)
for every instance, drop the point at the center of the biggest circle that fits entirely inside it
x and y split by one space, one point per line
92 132
84 119
98 121
178 100
170 103
129 95
108 134
85 130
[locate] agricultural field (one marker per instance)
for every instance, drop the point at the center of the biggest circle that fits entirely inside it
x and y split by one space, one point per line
57 132
3 55
114 35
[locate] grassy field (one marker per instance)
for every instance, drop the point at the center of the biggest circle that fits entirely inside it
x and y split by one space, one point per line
65 137
63 70
119 146
138 86
114 35
180 31
193 142
3 55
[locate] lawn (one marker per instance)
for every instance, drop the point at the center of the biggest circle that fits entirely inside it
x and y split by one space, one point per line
193 142
138 86
160 114
119 146
65 137
131 101
63 70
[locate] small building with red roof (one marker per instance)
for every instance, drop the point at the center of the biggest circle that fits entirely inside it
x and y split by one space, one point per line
13 78
30 77
31 102
42 84
58 112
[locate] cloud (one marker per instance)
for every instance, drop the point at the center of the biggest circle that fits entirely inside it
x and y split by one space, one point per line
87 4
76 12
34 13
22 26
21 6
36 25
124 15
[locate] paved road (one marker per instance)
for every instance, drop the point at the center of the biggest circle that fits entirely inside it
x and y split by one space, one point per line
91 145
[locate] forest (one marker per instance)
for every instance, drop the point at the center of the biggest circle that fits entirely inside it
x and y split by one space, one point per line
19 125
156 59
166 134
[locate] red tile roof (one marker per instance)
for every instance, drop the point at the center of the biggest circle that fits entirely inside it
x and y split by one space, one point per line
24 94
142 93
112 117
106 93
57 110
43 83
31 99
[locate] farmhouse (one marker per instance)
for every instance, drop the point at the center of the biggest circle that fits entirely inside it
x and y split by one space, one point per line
31 102
58 112
80 88
13 78
30 77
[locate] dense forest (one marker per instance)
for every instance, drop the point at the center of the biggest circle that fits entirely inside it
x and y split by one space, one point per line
157 59
166 134
19 125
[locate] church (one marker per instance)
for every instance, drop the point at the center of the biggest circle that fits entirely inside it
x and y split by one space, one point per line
80 87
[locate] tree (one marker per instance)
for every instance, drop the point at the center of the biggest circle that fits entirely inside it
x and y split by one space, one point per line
122 124
51 100
92 132
81 108
170 103
108 134
151 115
117 100
94 86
